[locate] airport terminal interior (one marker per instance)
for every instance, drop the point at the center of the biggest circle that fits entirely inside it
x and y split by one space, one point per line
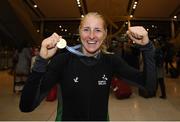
25 23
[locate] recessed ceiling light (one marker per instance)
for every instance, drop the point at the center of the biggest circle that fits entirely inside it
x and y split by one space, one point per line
175 17
35 6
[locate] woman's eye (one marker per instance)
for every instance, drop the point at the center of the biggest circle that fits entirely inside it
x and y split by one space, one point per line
86 29
98 30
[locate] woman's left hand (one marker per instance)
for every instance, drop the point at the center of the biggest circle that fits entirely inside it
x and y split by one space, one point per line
138 34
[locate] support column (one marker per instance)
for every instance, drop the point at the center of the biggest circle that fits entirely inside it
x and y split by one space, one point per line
172 29
41 30
129 24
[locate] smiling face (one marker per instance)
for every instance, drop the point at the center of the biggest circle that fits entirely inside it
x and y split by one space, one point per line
92 33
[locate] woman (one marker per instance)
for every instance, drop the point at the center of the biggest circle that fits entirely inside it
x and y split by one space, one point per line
85 77
159 59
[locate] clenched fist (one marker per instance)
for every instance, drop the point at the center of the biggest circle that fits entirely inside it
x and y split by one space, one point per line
48 46
138 34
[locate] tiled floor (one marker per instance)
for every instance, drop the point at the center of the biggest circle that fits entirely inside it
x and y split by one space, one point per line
134 108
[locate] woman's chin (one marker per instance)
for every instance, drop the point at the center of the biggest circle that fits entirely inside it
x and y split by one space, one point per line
92 50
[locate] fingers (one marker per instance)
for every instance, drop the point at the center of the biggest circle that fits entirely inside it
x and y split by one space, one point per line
51 41
131 37
137 32
48 46
138 35
54 39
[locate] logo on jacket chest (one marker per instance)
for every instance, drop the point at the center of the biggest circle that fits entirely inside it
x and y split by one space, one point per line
103 80
76 80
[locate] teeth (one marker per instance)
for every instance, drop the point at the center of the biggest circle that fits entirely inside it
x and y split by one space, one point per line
91 42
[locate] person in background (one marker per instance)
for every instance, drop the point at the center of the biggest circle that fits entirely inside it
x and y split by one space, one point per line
178 61
169 56
159 58
14 61
35 54
85 73
22 69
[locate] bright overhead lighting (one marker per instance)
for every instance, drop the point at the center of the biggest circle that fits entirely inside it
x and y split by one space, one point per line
175 17
35 6
78 2
82 16
135 2
131 16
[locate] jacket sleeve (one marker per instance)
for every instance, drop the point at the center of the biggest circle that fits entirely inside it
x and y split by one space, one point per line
145 79
43 77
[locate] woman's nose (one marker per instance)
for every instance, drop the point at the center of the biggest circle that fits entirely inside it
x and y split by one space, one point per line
92 35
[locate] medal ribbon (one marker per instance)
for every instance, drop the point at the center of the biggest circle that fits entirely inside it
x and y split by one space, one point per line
74 50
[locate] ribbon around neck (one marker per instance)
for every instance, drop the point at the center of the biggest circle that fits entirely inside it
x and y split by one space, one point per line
74 50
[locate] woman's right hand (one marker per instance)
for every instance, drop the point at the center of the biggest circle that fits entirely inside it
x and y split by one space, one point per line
48 46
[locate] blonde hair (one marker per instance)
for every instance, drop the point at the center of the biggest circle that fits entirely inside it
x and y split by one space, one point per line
96 14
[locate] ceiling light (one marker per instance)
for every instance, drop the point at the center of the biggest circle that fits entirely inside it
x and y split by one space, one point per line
78 2
82 16
175 17
35 6
135 2
131 16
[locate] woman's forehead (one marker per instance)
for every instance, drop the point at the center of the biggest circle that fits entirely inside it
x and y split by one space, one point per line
91 19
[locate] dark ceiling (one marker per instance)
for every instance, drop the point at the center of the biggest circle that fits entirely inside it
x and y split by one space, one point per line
19 20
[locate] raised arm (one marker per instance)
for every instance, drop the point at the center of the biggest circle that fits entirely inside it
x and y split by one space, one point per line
147 78
43 77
